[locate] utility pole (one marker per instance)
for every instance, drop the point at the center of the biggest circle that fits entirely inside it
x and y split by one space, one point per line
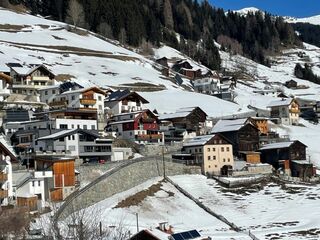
137 219
163 162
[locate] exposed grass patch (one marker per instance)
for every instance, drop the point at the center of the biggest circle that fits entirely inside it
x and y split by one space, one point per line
64 77
137 198
58 38
12 27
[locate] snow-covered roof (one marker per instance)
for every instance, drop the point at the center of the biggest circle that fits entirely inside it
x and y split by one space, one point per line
49 87
21 70
120 122
282 102
229 125
68 132
198 141
180 113
301 162
277 145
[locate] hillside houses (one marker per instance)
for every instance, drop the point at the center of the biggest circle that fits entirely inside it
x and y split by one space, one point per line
5 81
285 110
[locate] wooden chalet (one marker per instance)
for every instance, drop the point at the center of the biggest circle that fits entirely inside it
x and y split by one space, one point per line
286 155
189 118
191 73
181 64
261 123
163 61
291 84
244 136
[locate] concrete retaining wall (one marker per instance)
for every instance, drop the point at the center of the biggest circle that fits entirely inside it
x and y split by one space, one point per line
121 178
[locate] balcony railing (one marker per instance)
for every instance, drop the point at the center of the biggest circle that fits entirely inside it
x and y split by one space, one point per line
84 101
3 193
147 137
58 104
3 177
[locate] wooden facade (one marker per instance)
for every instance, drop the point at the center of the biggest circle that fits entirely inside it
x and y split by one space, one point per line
273 156
291 84
191 122
261 124
62 168
163 61
31 203
246 139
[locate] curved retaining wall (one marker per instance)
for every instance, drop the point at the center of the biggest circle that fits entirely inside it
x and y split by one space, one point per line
122 178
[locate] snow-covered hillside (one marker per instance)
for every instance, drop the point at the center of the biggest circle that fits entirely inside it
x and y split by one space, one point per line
315 20
90 60
245 11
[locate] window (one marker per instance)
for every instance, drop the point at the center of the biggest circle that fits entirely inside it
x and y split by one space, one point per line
209 158
208 149
93 127
222 149
73 137
72 97
39 183
228 149
190 151
213 149
53 91
100 107
209 166
214 158
45 92
61 139
215 166
200 150
99 98
224 160
63 126
78 126
228 159
33 183
196 150
84 127
69 137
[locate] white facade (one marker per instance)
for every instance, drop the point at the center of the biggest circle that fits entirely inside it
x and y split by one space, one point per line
119 154
6 183
206 85
4 91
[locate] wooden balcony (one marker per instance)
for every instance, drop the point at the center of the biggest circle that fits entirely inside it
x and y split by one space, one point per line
3 177
3 193
88 101
148 137
59 104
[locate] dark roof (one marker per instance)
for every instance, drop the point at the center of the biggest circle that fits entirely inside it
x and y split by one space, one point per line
66 86
63 133
120 95
20 115
14 65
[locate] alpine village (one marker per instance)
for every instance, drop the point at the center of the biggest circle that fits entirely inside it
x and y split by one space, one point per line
157 120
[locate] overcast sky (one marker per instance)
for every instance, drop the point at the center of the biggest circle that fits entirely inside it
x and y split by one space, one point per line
294 8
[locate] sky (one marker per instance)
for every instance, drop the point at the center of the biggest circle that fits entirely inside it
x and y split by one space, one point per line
293 8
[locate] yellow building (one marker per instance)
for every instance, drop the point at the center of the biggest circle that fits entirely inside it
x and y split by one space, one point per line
214 153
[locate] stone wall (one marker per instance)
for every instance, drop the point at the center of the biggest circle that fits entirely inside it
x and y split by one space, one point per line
124 177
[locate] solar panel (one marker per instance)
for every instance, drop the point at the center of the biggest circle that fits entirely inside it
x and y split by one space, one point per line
186 235
195 233
177 236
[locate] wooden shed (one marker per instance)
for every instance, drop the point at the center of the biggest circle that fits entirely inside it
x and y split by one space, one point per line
30 202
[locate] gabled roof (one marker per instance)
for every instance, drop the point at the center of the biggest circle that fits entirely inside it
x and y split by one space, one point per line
199 140
229 125
282 102
120 95
27 70
279 145
180 113
68 132
83 90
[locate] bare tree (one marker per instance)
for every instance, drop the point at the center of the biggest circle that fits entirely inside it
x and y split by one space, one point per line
167 12
105 29
13 223
75 13
85 224
146 47
123 36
